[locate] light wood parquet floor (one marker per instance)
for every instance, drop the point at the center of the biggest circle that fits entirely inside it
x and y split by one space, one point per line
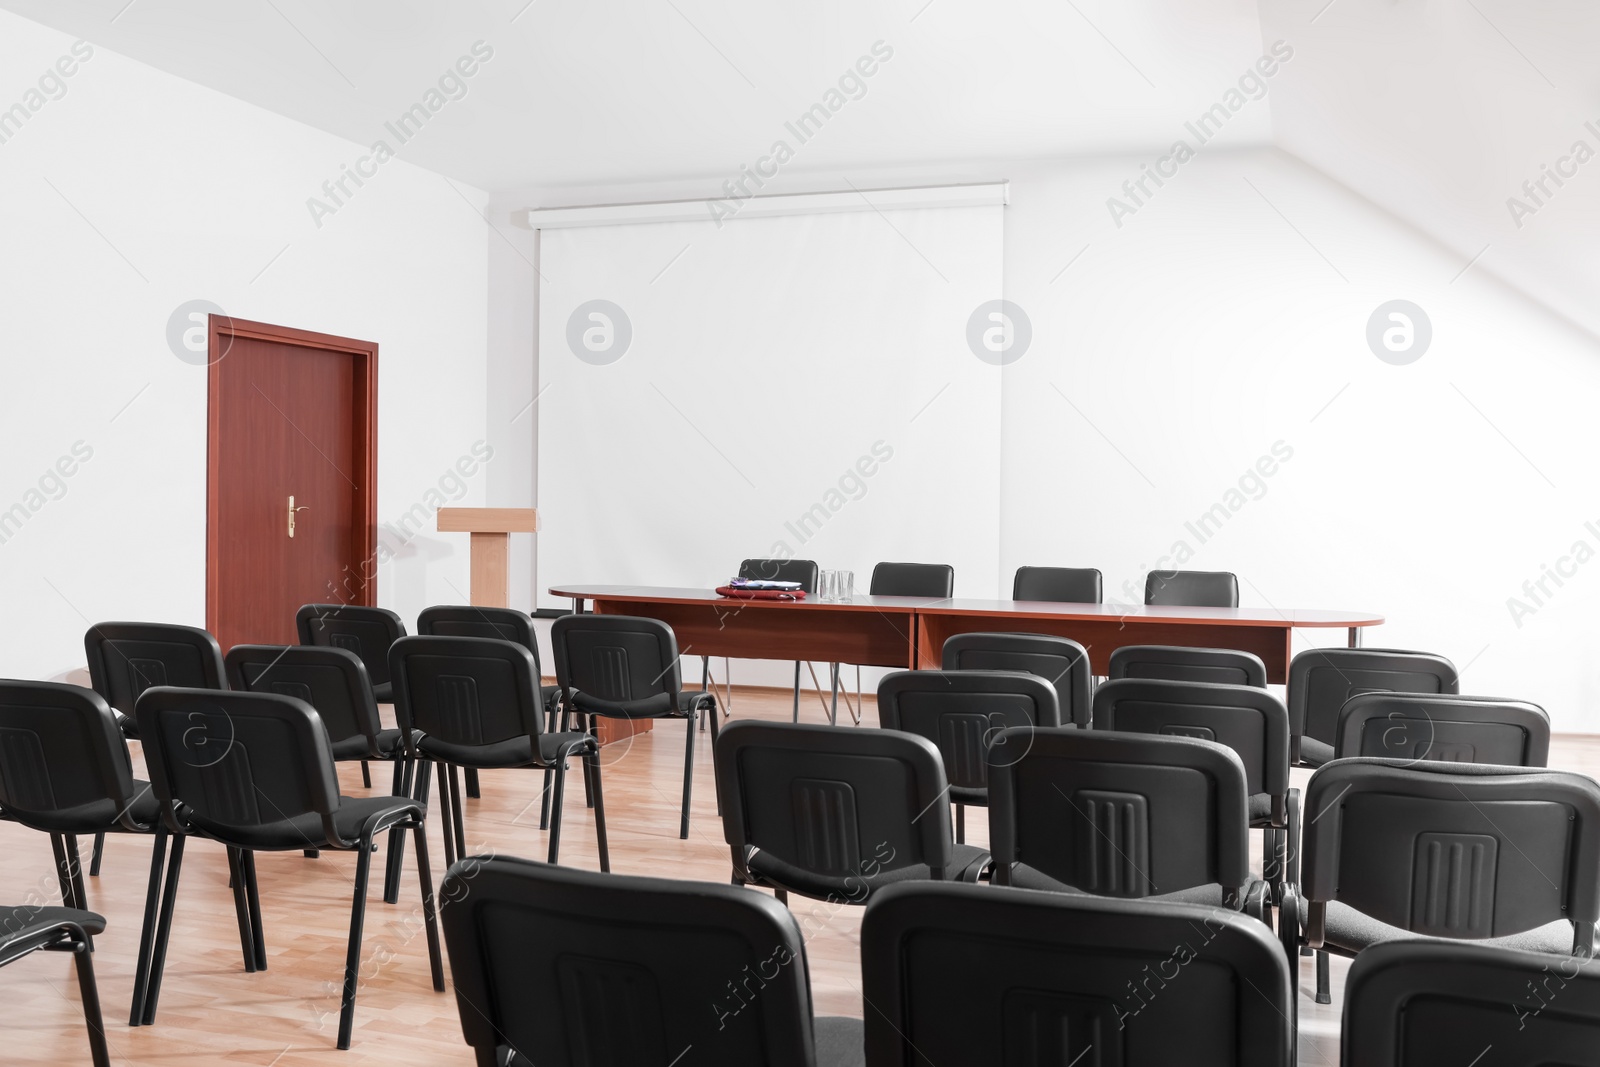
213 1012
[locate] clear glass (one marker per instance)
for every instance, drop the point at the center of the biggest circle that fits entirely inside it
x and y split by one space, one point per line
845 586
827 586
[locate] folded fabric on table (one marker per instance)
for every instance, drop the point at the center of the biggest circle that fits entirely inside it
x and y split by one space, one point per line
747 593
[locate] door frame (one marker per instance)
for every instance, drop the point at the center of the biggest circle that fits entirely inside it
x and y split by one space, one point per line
221 330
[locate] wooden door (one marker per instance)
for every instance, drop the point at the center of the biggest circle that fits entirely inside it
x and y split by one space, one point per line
292 413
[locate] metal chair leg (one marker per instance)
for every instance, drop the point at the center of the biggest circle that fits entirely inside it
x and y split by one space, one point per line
473 789
446 822
591 769
75 873
69 892
833 710
141 975
252 899
961 824
457 815
688 778
89 993
1323 978
240 914
430 908
366 775
555 810
99 850
392 862
796 690
352 960
158 962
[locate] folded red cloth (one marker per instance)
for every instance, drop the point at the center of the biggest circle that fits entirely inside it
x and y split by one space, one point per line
760 594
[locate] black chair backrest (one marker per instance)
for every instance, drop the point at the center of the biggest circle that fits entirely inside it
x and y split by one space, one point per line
465 690
1067 585
936 580
1420 1004
1192 589
236 762
621 665
1118 815
1060 661
1455 850
329 679
1251 721
1178 663
468 620
976 975
828 805
1455 729
803 571
574 967
126 658
961 712
1322 679
368 632
63 761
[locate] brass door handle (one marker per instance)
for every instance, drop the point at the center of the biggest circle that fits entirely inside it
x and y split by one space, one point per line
292 510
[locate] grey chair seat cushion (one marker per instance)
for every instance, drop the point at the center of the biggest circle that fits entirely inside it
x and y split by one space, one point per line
517 752
1026 877
840 1041
1314 753
1260 809
1348 931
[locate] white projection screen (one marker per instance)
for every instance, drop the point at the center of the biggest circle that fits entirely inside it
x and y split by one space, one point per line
796 386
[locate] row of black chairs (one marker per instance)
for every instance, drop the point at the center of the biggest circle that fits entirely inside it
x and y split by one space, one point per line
626 970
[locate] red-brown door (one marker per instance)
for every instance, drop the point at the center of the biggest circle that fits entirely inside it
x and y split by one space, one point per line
291 415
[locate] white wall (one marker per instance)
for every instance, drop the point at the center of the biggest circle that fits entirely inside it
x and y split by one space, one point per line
133 193
1228 315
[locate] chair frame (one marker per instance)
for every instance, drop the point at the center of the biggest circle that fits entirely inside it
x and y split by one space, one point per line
66 933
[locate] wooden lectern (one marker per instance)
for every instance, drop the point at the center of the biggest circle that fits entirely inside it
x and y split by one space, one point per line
491 530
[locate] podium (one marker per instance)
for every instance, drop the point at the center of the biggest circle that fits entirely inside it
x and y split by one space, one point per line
491 530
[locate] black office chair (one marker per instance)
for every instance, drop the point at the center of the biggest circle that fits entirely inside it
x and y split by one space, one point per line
935 580
1249 720
1322 679
960 974
65 771
28 928
126 658
475 702
1065 585
1411 1004
1122 815
960 712
627 667
1192 589
836 813
505 624
333 681
1403 850
1059 660
1176 663
558 965
255 773
368 632
803 571
1447 727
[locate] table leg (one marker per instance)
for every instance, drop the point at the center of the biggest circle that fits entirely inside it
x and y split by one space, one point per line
1355 637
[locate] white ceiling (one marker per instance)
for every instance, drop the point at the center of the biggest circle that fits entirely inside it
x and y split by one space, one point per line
584 92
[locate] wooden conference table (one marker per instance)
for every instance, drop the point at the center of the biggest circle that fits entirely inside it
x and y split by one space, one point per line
908 632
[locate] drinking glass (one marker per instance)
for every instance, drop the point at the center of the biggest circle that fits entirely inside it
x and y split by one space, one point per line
827 586
844 586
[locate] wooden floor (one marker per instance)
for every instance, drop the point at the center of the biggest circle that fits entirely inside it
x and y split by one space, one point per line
212 1012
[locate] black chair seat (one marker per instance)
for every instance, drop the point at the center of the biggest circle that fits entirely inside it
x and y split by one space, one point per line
1025 877
517 752
354 748
549 695
1348 931
1314 753
101 816
21 923
1260 809
305 831
840 1041
966 864
383 692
